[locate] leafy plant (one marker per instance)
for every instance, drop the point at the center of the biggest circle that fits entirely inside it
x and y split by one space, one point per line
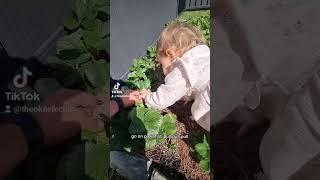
82 59
142 128
200 19
82 62
203 23
140 71
203 151
151 124
147 122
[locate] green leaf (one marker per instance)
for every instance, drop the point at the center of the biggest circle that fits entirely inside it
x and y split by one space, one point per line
203 150
140 84
137 126
170 129
152 52
204 165
170 118
141 112
97 26
55 60
146 121
89 24
71 42
93 39
83 58
153 120
71 22
169 126
77 60
70 54
85 9
96 73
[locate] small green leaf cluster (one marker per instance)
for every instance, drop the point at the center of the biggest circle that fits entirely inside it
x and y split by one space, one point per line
203 151
82 58
152 124
200 19
142 128
203 23
140 69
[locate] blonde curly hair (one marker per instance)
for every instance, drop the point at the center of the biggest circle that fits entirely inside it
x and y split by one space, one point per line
179 37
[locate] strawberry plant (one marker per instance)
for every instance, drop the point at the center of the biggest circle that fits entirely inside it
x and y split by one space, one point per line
146 122
200 19
142 128
82 59
82 62
143 72
203 151
152 125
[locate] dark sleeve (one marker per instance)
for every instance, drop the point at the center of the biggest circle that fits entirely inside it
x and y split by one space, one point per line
9 66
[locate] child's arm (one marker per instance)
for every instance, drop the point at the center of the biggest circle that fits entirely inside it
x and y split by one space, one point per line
167 94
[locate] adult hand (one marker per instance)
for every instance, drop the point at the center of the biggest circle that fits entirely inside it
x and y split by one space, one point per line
131 97
74 110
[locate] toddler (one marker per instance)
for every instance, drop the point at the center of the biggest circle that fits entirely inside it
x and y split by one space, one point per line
185 61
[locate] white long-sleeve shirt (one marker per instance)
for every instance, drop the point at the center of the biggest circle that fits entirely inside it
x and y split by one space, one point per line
190 77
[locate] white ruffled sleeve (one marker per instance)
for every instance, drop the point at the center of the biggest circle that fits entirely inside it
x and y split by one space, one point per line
167 94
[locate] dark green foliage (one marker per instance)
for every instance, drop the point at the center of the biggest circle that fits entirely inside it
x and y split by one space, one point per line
84 49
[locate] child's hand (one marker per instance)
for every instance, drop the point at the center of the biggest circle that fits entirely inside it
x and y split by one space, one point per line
144 92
